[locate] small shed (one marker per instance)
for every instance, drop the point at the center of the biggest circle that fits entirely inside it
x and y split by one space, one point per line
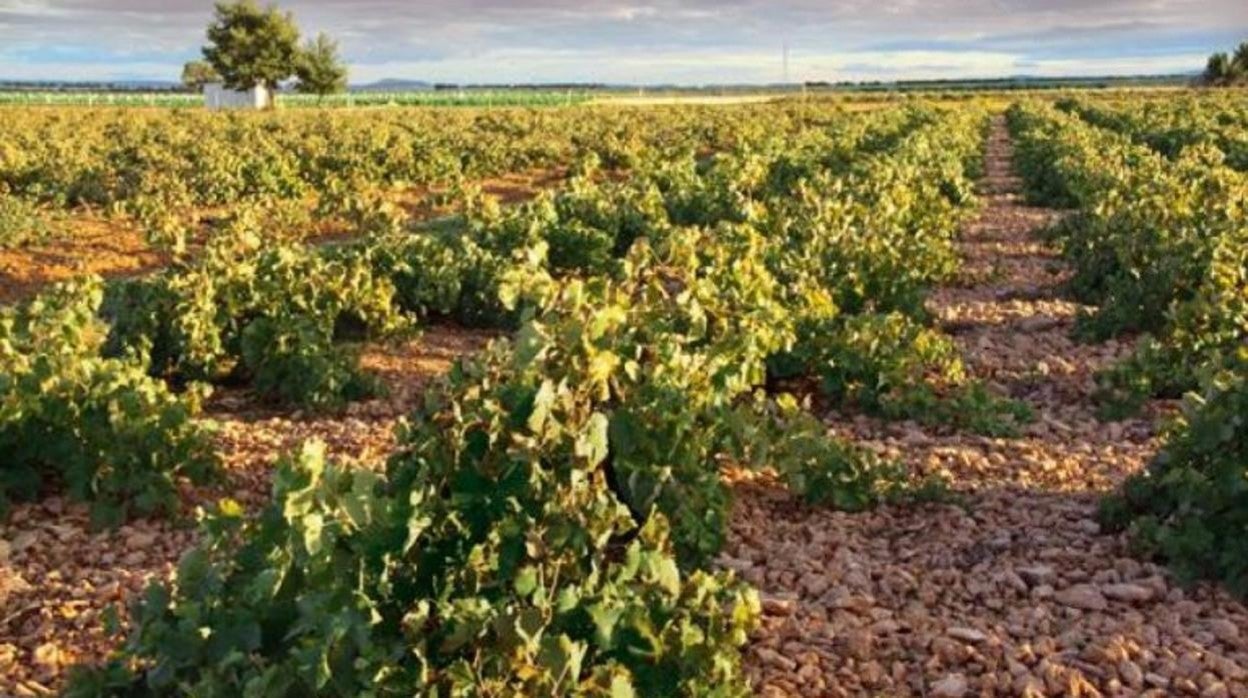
217 96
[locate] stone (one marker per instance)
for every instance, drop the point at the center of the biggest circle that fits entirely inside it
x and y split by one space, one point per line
952 686
777 606
859 643
24 540
137 558
1014 581
815 584
1226 631
1156 680
1132 593
774 658
1131 673
1037 574
1083 597
140 539
1029 686
951 652
967 635
48 655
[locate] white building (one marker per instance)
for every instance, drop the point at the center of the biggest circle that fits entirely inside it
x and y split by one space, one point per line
216 96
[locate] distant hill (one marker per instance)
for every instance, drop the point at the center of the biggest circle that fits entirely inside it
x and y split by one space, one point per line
90 86
396 85
393 85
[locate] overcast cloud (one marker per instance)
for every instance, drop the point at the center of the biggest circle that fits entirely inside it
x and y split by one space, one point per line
683 41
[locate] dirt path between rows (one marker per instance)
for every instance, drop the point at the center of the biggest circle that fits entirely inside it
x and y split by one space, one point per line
1017 593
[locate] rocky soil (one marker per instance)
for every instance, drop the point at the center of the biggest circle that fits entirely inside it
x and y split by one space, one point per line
1016 591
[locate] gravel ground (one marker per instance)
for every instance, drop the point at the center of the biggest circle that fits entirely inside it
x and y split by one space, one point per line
57 576
1016 592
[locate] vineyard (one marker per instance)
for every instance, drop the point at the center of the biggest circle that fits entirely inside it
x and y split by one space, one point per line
778 399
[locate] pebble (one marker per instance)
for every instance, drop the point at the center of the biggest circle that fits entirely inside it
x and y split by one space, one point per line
1083 597
140 539
1037 574
776 659
1226 631
1131 673
777 606
952 686
859 644
1156 680
1133 593
967 635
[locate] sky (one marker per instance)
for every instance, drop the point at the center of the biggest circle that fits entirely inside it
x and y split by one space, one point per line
687 42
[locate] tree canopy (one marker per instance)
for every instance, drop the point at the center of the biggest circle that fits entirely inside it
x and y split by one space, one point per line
249 45
319 69
1218 68
1228 69
1240 61
195 74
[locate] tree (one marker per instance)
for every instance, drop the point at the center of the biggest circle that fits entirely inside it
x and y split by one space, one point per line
1218 69
319 69
195 74
1239 63
250 46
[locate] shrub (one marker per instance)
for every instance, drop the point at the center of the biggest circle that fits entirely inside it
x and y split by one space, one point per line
293 360
501 551
452 276
892 366
1190 507
99 427
194 320
783 435
1198 335
21 222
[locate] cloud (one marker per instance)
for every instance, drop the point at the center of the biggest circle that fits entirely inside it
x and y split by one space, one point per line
695 41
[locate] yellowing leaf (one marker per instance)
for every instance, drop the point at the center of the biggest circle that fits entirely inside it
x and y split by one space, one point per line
592 443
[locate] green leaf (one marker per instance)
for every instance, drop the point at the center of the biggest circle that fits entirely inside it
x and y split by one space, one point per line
313 526
605 616
526 580
667 574
622 687
592 443
542 404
